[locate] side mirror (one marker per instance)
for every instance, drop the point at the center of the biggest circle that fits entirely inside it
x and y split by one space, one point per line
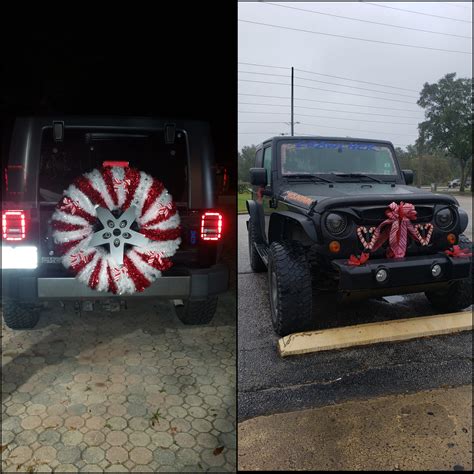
258 177
408 175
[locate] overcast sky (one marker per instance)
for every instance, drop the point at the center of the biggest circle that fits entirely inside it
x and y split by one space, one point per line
401 67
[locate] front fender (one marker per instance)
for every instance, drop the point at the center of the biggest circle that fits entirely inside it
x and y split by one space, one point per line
280 222
463 219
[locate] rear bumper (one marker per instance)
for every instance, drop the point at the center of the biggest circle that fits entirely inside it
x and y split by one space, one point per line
407 275
195 284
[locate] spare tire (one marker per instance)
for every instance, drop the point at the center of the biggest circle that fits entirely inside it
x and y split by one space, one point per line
116 229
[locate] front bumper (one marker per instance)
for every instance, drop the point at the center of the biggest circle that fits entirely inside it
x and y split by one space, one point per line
189 284
410 274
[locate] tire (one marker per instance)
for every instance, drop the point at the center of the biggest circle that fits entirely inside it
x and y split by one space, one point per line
256 263
459 294
20 316
290 288
197 312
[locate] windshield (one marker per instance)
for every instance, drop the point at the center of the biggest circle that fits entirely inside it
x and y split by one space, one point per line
327 156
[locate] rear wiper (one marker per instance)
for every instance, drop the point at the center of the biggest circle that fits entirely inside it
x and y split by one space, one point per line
309 177
357 175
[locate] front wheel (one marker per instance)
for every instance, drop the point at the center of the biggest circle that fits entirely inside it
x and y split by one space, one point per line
194 312
256 263
459 294
289 278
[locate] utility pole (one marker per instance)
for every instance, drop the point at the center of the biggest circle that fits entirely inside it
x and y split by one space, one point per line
292 101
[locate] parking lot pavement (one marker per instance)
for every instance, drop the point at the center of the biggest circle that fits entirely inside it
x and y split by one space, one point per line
427 431
269 384
129 391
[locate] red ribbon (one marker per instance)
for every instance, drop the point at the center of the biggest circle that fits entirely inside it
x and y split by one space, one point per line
395 229
357 261
458 252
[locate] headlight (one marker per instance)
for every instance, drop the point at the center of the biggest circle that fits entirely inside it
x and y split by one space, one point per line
336 224
444 218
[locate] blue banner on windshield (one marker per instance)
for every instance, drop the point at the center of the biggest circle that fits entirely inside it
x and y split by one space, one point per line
342 145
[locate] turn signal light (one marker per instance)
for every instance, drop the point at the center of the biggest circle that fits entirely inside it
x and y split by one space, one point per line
334 246
13 225
211 226
451 238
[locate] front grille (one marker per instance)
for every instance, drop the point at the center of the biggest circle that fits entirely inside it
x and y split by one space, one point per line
376 214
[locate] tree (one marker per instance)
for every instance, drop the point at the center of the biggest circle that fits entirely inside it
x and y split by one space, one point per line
448 124
246 159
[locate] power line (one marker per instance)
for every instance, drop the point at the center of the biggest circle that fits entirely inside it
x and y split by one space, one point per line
416 13
353 130
326 90
366 21
353 38
325 102
329 110
326 82
325 117
329 75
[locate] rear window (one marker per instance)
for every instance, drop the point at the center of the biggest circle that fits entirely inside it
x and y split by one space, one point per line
83 150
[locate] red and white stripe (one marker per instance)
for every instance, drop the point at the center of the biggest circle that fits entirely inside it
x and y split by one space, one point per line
116 188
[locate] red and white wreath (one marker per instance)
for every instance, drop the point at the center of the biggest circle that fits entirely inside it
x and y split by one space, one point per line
117 229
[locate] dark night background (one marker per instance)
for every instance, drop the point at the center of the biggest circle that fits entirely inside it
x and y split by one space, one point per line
178 61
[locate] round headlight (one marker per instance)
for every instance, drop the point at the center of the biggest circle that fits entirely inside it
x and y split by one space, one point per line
336 224
444 218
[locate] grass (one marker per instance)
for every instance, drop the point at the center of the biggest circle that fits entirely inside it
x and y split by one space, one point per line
241 198
155 418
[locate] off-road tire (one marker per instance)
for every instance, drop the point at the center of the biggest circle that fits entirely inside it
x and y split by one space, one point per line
459 294
256 263
291 298
197 312
20 316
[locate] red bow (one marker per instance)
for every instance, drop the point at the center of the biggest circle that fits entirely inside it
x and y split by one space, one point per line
353 260
396 228
458 252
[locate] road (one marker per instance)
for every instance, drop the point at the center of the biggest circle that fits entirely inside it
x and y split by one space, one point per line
268 384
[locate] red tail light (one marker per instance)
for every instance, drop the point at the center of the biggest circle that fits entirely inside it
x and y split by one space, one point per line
13 225
211 226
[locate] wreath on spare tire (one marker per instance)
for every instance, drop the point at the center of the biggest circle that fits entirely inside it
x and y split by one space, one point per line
116 228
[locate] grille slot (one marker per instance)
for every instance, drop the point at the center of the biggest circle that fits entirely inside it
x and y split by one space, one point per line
375 215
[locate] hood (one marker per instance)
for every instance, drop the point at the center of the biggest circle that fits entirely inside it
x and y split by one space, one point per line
322 196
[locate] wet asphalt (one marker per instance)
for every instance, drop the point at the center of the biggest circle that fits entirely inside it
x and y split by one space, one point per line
268 384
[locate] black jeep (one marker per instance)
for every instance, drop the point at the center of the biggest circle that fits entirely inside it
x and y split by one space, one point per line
46 154
319 222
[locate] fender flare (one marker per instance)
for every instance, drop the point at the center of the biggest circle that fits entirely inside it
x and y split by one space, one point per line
278 219
463 219
255 211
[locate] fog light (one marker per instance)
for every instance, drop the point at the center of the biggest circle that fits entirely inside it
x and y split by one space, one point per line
381 275
451 238
334 246
436 270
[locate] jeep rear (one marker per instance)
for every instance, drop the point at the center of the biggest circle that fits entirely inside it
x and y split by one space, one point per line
48 153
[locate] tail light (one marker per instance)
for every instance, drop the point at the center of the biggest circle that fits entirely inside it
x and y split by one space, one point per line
13 225
211 226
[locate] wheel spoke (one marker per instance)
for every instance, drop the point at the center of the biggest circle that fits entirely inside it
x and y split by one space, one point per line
117 232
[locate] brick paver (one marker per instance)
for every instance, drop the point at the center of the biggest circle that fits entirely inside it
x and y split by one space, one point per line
133 391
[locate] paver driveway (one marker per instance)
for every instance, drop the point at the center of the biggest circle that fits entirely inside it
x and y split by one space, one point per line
133 390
